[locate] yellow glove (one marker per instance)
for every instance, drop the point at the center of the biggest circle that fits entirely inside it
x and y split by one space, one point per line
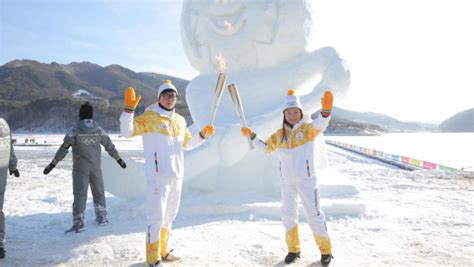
207 131
130 100
246 132
326 104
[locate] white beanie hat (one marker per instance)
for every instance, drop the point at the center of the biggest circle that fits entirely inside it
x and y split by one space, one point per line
292 101
167 85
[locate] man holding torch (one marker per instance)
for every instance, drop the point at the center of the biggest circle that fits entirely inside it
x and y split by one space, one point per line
165 136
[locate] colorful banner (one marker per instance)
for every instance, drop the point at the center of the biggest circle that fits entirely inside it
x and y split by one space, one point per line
446 168
429 165
416 162
407 160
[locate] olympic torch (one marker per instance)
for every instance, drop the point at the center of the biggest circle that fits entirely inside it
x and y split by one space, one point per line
234 95
221 80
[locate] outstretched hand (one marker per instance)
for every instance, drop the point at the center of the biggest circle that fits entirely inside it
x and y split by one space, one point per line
48 168
122 163
246 132
208 131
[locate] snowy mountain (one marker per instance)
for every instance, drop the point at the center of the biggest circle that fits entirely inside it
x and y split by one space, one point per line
342 126
30 89
461 122
387 123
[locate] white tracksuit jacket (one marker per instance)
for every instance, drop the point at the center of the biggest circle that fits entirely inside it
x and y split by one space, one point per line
165 136
296 153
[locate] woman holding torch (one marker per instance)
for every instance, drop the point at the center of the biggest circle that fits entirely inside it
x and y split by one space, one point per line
295 147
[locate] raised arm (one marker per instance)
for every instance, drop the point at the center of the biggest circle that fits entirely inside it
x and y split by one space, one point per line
128 126
322 121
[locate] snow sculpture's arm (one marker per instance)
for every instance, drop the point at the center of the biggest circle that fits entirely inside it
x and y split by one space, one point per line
334 75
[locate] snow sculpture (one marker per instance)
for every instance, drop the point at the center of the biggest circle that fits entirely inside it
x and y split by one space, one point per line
269 48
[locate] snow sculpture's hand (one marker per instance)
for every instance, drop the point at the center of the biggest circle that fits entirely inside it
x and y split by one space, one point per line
130 100
15 172
121 163
48 168
246 132
207 131
326 104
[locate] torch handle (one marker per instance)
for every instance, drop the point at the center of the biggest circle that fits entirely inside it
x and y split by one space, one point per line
234 95
221 80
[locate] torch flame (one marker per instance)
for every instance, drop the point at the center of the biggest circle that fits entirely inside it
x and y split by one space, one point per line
228 25
222 62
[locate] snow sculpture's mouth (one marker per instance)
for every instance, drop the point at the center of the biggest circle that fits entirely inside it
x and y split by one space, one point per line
226 18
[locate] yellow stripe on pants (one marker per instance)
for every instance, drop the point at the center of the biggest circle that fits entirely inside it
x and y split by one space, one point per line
152 252
164 237
323 243
292 240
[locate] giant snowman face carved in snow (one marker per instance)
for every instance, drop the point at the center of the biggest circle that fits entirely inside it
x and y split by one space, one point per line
250 34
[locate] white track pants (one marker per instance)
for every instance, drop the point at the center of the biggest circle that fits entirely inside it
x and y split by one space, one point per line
162 204
308 191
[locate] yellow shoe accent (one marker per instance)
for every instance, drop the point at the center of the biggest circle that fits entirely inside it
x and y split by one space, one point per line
152 252
164 237
292 240
324 244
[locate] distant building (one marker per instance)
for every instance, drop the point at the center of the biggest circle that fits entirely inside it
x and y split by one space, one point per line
82 95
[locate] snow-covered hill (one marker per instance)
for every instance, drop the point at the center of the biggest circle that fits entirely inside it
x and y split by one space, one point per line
409 218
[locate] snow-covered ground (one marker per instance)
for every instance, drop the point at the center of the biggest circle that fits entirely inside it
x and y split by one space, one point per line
409 218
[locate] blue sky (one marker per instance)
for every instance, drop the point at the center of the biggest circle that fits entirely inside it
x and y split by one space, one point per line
140 35
411 59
